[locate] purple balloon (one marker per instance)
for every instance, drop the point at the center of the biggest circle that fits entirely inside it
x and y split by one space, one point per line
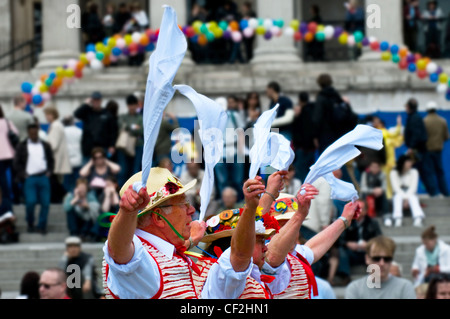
227 35
141 49
185 29
365 42
338 31
153 38
439 70
268 35
303 27
411 58
126 51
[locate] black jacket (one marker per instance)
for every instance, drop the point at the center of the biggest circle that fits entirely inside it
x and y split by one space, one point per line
21 158
415 132
323 111
304 130
369 229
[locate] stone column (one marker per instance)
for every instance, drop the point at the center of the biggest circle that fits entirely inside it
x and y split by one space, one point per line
391 24
5 27
60 42
278 50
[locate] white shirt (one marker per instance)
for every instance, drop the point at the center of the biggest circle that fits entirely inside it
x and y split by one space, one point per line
73 139
141 18
36 163
225 283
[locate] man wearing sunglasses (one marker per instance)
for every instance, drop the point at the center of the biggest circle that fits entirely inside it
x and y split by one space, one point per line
380 284
53 285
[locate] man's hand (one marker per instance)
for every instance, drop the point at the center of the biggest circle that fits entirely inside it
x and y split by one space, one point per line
198 229
304 201
377 191
252 189
415 273
275 183
132 202
351 211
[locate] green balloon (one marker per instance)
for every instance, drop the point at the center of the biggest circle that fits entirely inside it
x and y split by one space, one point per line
223 25
359 36
279 23
210 36
396 58
100 56
320 36
204 28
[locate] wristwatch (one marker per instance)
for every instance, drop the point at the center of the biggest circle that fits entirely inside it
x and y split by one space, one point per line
345 221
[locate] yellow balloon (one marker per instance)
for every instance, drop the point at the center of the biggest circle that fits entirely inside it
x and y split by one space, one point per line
197 25
83 59
320 27
59 72
128 39
443 78
295 24
386 56
343 38
111 43
70 73
421 64
260 30
43 88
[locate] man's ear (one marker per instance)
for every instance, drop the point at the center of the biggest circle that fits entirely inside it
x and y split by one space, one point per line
156 218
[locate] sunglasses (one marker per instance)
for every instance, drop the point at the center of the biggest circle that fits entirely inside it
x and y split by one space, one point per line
48 286
385 258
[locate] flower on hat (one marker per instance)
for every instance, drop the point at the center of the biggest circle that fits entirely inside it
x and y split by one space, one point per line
171 187
294 205
270 222
281 207
259 227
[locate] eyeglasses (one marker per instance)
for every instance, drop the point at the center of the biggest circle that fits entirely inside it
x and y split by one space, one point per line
186 203
378 259
47 286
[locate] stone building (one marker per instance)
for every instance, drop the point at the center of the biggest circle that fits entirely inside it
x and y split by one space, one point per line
371 84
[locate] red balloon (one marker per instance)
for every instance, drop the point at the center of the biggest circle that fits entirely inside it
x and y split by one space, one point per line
27 97
149 32
53 90
403 64
297 36
133 47
422 74
312 27
374 45
418 56
78 74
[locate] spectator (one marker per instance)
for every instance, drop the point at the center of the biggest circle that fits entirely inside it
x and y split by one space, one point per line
285 113
380 252
140 16
112 108
396 269
252 101
6 159
132 123
304 136
405 180
75 256
437 132
98 126
421 291
57 140
8 233
416 141
34 165
82 209
392 139
354 21
353 244
253 115
122 16
97 170
163 143
292 184
373 191
110 200
19 117
432 17
92 25
315 50
29 286
248 13
230 171
229 200
53 284
411 17
166 163
199 53
325 290
73 137
439 287
432 257
229 13
108 20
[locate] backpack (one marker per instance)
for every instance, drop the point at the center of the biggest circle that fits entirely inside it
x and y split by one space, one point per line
343 118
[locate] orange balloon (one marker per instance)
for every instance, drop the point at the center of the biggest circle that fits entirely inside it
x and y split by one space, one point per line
80 66
403 52
57 82
43 77
144 40
309 37
234 26
202 40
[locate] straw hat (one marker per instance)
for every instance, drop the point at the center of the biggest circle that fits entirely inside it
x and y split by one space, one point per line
224 224
162 185
284 207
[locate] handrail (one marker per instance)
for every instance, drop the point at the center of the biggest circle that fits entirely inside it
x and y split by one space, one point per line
33 44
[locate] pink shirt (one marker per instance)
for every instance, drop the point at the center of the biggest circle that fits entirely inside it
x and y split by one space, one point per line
6 150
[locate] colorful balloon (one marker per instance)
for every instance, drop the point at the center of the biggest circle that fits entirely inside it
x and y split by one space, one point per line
384 46
359 36
26 87
434 77
412 67
443 78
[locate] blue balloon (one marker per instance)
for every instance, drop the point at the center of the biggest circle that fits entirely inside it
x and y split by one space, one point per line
90 48
384 46
434 77
116 51
52 75
27 87
394 49
37 99
150 47
412 67
243 24
447 96
194 39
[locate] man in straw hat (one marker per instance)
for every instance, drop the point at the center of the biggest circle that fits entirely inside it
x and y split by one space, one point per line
148 237
290 212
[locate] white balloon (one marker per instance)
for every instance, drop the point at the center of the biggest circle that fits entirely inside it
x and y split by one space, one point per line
253 23
372 39
432 68
136 36
120 43
236 36
248 32
276 31
329 32
351 40
268 24
72 64
90 56
46 96
441 88
288 32
96 64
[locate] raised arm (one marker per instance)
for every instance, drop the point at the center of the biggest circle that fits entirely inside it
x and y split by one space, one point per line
243 239
323 241
275 184
120 237
283 242
84 171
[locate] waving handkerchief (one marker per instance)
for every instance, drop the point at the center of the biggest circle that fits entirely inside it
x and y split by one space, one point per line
164 64
261 133
281 152
212 120
339 153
